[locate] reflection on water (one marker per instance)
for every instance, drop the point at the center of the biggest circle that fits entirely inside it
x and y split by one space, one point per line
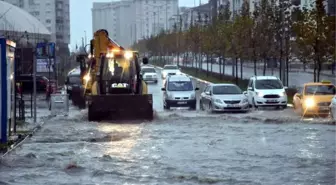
179 150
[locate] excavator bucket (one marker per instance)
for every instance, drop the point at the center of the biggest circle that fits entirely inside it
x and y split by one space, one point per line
120 107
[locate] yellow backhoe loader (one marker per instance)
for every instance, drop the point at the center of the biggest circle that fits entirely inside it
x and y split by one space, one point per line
113 86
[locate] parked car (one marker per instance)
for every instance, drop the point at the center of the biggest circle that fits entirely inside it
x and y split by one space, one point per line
333 108
27 84
265 91
224 97
179 91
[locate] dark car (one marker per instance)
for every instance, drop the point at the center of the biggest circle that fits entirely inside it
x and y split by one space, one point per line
73 80
27 83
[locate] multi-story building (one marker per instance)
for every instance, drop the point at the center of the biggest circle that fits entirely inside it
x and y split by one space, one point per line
116 19
199 15
54 14
131 20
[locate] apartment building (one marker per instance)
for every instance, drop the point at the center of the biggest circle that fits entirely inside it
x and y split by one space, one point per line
54 14
131 20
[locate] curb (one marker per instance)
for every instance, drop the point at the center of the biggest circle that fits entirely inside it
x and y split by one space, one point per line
30 134
207 82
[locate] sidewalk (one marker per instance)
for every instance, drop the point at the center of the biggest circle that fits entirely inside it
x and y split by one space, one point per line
310 71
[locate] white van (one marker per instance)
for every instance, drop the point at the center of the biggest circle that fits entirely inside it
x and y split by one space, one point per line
265 91
179 91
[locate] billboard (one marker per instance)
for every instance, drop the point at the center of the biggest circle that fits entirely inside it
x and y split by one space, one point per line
45 50
44 64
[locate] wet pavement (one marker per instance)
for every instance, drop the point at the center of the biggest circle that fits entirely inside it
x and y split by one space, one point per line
178 147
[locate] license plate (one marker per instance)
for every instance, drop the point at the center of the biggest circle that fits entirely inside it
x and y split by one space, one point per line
236 105
272 101
324 108
181 102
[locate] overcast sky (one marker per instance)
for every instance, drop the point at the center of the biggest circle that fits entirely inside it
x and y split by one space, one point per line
80 17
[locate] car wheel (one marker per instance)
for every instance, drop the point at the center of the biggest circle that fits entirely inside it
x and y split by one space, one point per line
254 104
210 108
193 107
201 105
166 106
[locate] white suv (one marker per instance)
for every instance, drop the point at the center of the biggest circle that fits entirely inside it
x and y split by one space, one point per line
266 91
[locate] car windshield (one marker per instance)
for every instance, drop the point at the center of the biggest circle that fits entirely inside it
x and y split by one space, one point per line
226 89
170 67
74 80
180 86
320 90
268 84
148 70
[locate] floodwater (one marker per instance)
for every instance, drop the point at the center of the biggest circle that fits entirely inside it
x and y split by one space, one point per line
178 147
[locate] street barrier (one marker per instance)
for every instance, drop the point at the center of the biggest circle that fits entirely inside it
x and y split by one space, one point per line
59 104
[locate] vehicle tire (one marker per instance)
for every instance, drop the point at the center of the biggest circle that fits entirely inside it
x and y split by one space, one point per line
253 104
284 107
201 105
166 107
210 108
193 107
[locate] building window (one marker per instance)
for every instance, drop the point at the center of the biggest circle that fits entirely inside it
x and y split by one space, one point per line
48 21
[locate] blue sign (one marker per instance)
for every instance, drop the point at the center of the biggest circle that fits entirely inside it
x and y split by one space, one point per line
45 50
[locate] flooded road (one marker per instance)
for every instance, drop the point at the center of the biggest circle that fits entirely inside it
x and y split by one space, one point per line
179 147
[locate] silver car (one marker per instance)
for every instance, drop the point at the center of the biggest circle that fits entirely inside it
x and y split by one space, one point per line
333 108
224 97
179 91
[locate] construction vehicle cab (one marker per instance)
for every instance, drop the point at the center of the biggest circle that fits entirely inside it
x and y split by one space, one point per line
112 82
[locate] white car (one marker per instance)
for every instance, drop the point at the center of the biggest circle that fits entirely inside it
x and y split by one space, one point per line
333 108
179 91
267 91
223 97
149 74
170 70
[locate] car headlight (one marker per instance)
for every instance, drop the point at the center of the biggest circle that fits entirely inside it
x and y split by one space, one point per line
283 94
87 77
192 96
309 103
218 101
260 94
245 100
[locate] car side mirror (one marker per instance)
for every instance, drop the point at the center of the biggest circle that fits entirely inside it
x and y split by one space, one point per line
207 93
196 89
245 92
163 89
250 88
145 60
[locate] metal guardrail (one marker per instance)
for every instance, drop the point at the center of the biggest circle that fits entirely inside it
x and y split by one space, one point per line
59 104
